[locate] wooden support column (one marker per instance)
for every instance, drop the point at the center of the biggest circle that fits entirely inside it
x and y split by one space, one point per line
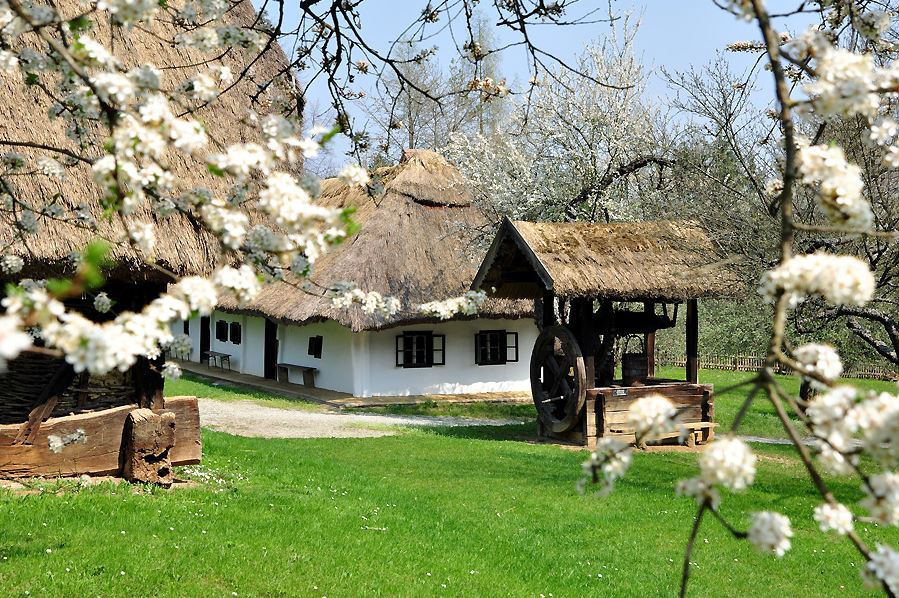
582 324
148 382
649 340
548 309
692 342
605 358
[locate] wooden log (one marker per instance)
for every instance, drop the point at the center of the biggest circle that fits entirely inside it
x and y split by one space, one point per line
188 449
91 443
149 435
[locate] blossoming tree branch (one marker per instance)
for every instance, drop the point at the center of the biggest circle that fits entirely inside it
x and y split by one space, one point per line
823 75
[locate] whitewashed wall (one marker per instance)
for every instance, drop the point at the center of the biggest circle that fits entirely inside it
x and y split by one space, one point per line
335 368
460 374
194 323
235 351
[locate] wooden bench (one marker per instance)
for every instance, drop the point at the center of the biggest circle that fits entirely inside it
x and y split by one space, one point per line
212 356
308 373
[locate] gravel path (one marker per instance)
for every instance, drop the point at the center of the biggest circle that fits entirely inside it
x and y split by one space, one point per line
246 418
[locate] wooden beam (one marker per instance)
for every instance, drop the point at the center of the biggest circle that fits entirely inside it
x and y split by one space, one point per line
692 341
583 326
91 443
649 341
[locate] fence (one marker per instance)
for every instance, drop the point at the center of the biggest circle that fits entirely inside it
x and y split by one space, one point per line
749 363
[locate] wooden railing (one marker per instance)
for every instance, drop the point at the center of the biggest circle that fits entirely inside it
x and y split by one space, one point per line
749 363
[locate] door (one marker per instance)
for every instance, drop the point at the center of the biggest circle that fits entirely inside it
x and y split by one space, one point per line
270 357
205 338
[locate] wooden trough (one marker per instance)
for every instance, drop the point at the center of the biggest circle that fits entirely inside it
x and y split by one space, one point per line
586 279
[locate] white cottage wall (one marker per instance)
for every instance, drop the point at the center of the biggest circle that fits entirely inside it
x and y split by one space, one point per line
253 358
194 333
335 368
460 374
236 351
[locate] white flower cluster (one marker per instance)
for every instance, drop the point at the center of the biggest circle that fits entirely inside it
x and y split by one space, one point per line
839 185
11 263
467 304
241 282
727 462
839 279
346 295
770 532
354 175
171 370
652 414
835 518
884 567
608 463
102 303
882 497
820 360
13 340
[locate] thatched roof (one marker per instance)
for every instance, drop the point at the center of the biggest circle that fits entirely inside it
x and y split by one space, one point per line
414 244
625 261
180 247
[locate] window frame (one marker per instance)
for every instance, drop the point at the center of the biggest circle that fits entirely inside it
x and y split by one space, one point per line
315 346
506 342
232 326
221 331
434 350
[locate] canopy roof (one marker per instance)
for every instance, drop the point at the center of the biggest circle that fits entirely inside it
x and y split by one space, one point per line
628 261
415 243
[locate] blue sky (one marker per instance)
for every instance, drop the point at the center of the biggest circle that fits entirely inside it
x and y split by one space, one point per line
674 34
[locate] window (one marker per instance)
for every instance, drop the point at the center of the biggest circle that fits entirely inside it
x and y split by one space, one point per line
495 347
235 332
221 331
315 346
187 327
420 349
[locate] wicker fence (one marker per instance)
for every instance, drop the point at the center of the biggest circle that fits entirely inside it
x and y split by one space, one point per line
748 363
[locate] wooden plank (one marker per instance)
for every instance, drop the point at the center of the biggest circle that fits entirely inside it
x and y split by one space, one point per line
684 414
93 442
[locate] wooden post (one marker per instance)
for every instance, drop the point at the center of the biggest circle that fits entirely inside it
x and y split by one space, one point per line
582 325
605 358
148 382
649 340
548 309
692 342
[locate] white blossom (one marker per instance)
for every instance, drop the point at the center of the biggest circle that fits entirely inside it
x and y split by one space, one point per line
344 296
11 263
882 497
821 360
13 340
608 463
467 304
770 532
354 175
652 414
884 566
839 185
102 303
839 279
171 370
241 282
728 462
834 518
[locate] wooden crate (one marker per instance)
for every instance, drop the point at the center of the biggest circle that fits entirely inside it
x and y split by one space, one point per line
606 410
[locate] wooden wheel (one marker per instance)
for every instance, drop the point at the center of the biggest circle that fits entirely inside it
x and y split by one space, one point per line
558 378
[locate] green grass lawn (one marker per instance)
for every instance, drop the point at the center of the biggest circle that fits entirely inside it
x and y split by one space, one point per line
441 512
197 386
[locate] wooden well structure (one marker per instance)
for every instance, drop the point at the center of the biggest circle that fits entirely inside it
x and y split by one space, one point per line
601 290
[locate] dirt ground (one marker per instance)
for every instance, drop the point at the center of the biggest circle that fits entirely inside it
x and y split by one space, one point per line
246 418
